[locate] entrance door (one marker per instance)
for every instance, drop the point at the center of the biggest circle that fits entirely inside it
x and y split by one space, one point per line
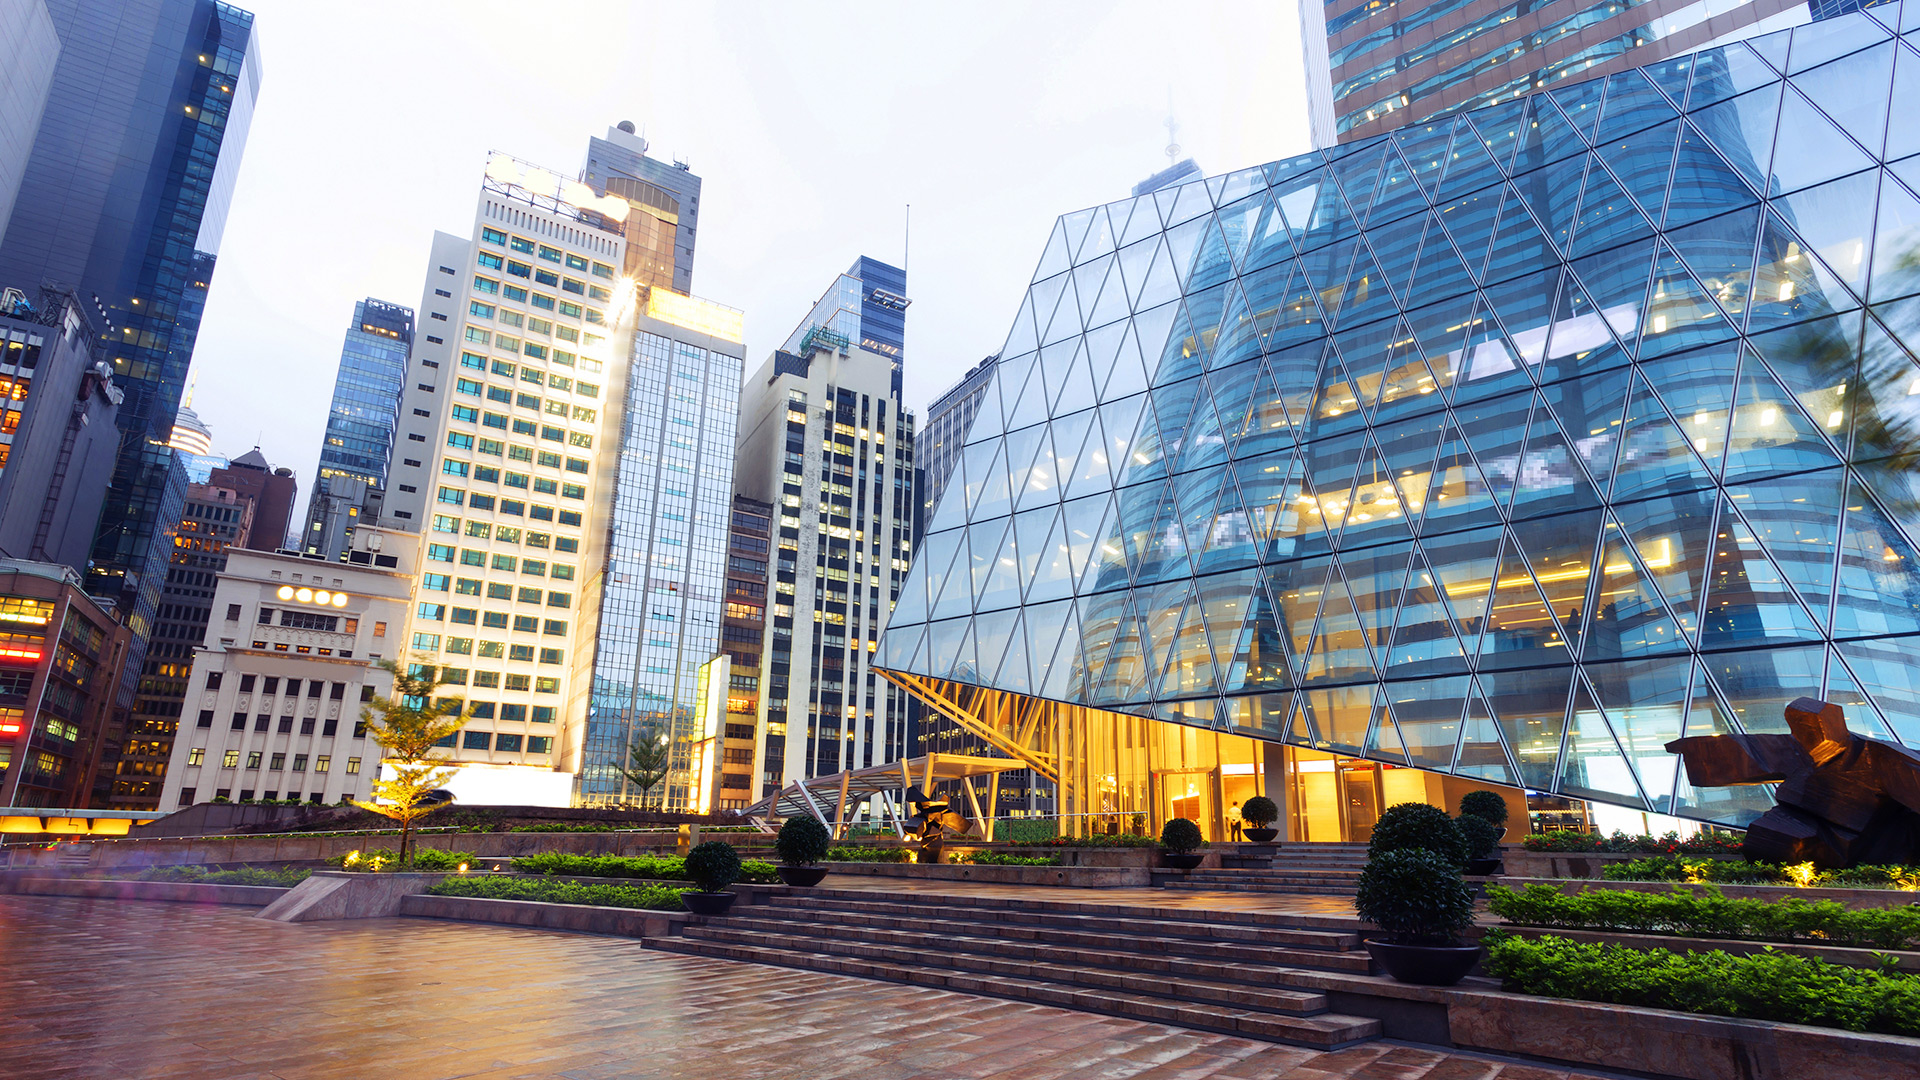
1362 802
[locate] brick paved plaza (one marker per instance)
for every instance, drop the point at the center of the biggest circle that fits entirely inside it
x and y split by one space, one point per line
123 989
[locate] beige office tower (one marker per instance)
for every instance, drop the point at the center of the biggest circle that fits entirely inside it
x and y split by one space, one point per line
504 463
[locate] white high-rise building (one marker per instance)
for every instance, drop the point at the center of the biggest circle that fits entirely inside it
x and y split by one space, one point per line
504 463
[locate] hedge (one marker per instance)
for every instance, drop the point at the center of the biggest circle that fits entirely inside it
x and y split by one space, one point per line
1774 986
283 877
1708 915
647 897
869 854
658 867
1729 872
997 858
1622 844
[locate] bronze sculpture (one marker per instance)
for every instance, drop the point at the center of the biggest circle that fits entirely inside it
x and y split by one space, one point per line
1843 800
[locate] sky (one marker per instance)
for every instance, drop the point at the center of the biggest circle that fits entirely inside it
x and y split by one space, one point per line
812 125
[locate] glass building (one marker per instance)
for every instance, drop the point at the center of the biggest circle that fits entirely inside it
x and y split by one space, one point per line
124 198
865 307
1505 448
358 446
660 600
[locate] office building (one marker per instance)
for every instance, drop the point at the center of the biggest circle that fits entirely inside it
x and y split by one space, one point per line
193 441
1373 65
33 48
743 631
823 437
123 201
288 662
866 309
509 442
1177 173
214 521
59 669
659 604
358 444
665 199
1359 491
936 446
272 491
57 439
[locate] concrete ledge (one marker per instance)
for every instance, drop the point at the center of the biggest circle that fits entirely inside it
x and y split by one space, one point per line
32 884
1095 877
579 918
1853 898
336 894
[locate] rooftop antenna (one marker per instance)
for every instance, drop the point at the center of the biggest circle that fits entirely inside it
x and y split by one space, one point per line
1173 142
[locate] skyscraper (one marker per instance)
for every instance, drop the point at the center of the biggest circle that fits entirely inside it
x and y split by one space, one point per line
823 437
33 47
659 603
867 306
358 445
1373 65
123 200
1502 449
508 447
664 222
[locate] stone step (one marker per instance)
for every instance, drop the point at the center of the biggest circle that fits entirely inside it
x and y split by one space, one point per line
935 915
1255 887
1325 1031
1278 877
1252 989
1133 952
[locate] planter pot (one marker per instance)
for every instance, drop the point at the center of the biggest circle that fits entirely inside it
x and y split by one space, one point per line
1183 862
1260 836
707 903
801 876
1425 965
1483 867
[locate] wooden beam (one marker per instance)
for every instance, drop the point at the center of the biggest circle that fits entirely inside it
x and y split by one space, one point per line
980 822
840 810
812 806
993 802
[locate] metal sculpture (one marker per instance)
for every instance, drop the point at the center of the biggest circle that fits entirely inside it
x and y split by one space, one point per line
931 816
1842 800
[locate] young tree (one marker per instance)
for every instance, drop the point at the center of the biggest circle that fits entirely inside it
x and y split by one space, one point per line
649 758
408 725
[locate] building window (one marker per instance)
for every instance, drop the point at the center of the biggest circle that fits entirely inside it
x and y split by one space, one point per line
278 761
322 763
233 612
353 766
299 763
475 740
196 755
206 718
230 759
253 759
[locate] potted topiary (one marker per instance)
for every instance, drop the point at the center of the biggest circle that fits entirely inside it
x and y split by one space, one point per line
1486 804
1415 896
1420 827
1482 840
1260 813
802 843
711 867
1181 839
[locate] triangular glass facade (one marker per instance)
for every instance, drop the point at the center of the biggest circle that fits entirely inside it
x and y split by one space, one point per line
1511 445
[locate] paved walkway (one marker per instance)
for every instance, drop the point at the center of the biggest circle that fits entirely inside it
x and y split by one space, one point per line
104 988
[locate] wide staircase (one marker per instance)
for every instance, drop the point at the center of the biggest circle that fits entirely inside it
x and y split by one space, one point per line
1317 868
1176 966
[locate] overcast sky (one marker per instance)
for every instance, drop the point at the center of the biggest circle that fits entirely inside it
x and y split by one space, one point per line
812 126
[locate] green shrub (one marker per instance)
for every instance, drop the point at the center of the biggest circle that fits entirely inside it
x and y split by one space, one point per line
1709 914
647 897
1420 827
1871 877
562 827
657 867
1097 840
1622 844
1259 812
281 877
1484 804
1480 836
802 841
1181 837
713 865
869 854
1416 896
1774 986
1675 868
997 858
436 861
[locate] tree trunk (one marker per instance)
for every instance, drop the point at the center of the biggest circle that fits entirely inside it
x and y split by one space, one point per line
406 843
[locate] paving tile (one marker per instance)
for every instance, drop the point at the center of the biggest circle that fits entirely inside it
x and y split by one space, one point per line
115 989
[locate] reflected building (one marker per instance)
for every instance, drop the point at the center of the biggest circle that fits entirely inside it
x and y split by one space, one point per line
1501 449
664 223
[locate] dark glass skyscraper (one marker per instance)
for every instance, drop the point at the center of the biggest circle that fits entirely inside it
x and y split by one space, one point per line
123 200
359 441
867 307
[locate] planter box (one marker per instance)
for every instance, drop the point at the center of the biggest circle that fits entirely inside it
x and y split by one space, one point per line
1853 898
579 918
30 883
